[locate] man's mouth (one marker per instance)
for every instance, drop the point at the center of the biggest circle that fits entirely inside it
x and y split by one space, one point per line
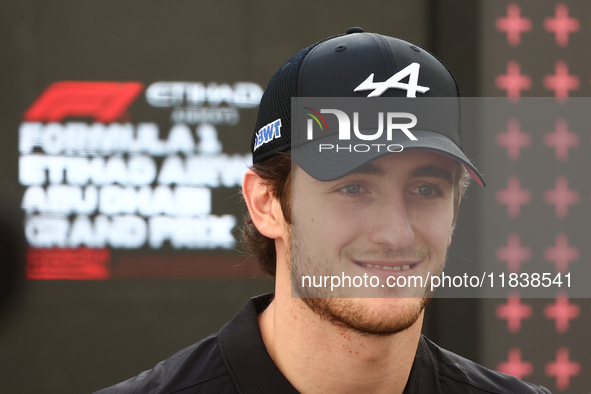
403 267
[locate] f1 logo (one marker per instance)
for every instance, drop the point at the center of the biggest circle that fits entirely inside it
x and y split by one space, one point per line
105 102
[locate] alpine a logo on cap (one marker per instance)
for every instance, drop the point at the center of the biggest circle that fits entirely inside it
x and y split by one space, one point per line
394 82
268 133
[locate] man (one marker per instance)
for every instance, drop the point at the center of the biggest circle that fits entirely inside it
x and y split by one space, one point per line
385 211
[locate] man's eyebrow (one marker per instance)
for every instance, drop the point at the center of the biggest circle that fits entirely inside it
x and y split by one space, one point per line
369 169
434 172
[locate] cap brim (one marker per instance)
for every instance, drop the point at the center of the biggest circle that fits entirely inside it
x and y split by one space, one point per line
332 164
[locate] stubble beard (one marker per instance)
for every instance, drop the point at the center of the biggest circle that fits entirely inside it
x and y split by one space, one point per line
347 313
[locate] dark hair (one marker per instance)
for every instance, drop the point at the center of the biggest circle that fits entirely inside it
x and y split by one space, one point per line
276 173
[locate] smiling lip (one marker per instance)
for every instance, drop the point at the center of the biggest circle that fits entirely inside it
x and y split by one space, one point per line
400 266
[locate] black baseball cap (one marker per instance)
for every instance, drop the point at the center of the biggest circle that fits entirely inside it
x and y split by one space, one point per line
357 65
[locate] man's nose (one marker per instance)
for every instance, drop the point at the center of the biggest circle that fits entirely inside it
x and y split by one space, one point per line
390 225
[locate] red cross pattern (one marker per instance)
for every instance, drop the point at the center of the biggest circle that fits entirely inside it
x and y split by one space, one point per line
561 254
513 139
561 81
513 196
561 197
513 253
562 312
513 24
514 366
562 368
561 25
513 82
561 140
514 311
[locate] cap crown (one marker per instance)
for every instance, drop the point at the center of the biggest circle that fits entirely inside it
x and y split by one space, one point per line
335 67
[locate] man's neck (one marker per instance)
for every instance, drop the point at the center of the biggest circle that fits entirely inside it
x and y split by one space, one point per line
317 356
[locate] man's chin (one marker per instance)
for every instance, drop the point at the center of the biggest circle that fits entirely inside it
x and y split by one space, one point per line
373 317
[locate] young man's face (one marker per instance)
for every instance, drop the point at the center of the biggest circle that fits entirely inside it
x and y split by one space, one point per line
391 217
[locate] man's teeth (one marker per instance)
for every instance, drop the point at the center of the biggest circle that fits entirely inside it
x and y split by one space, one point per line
397 268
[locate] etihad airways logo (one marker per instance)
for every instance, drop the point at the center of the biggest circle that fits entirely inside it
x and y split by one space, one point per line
395 82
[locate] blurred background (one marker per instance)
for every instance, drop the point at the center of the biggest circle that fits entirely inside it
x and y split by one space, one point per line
125 134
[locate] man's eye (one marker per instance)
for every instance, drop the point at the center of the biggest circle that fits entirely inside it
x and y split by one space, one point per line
425 190
352 189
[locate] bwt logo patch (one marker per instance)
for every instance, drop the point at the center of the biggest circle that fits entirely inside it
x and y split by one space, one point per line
345 125
105 102
268 133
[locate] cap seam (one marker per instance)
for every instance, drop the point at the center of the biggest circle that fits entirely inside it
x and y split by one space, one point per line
385 47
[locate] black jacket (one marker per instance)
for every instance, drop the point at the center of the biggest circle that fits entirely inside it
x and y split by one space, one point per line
235 360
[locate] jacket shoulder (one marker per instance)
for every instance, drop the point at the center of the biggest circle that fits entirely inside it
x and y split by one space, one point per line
461 375
197 368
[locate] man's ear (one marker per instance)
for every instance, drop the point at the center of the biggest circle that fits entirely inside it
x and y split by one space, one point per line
265 210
